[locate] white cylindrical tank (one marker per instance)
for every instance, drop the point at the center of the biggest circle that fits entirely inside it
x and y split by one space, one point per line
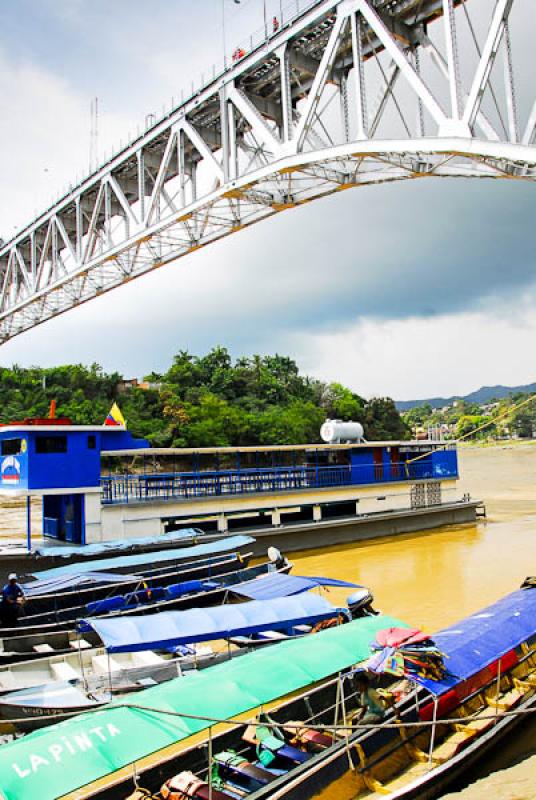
335 431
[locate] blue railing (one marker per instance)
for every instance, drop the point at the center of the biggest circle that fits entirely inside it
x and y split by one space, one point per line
170 485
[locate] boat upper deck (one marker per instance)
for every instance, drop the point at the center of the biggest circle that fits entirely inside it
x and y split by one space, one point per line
160 474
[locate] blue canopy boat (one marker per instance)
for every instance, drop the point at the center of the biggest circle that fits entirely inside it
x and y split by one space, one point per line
71 552
166 631
128 563
60 596
172 628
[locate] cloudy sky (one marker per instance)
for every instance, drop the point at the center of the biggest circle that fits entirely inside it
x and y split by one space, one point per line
411 290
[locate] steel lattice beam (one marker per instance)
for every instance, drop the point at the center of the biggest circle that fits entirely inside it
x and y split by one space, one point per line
348 93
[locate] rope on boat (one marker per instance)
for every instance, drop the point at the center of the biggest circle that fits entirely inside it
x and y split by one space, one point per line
328 728
487 424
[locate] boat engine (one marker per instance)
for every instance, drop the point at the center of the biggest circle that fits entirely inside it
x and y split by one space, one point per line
276 558
360 604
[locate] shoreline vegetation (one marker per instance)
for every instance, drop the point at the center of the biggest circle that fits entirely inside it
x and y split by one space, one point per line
510 418
200 401
498 443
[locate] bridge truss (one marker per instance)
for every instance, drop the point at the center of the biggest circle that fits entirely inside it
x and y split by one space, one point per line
345 93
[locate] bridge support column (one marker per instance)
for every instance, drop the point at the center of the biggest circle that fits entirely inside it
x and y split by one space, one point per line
141 182
359 73
224 126
286 99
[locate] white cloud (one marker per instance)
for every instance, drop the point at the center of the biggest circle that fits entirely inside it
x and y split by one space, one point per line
417 358
45 144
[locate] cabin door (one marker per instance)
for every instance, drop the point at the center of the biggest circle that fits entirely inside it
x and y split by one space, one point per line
377 454
395 463
63 517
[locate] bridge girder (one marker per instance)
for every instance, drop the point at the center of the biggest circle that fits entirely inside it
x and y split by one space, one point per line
347 93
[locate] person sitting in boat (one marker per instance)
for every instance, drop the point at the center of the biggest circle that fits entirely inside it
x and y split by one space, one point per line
13 598
371 708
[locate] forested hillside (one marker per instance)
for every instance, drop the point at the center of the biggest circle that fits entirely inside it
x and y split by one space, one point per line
486 394
510 417
201 401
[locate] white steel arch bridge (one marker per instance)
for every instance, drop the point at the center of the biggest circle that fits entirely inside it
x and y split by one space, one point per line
344 93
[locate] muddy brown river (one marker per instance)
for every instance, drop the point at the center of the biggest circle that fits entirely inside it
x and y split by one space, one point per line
432 579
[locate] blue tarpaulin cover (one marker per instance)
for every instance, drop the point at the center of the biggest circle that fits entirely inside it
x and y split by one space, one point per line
157 557
278 585
98 548
54 585
128 634
479 640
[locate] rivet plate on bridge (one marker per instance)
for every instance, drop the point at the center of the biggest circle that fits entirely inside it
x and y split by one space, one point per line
233 193
288 170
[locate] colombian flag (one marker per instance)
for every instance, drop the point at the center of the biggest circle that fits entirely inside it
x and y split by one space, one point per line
115 417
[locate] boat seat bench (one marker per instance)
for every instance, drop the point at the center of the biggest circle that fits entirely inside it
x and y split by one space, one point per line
64 672
43 648
477 725
80 644
147 658
507 700
104 664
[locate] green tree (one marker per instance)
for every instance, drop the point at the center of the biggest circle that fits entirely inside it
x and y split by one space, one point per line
420 416
341 403
468 423
383 422
522 424
202 401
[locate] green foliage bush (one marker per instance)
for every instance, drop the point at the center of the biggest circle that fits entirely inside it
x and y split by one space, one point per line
201 401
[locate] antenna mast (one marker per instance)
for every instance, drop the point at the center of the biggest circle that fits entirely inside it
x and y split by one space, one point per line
94 134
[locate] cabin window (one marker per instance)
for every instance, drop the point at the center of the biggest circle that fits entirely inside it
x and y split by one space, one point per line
91 441
51 444
10 447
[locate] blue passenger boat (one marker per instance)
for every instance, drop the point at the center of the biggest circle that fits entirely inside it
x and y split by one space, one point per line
180 632
102 490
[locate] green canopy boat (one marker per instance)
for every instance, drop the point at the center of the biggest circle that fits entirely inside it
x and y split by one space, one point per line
57 760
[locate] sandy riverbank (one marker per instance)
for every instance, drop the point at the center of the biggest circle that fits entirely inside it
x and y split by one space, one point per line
515 783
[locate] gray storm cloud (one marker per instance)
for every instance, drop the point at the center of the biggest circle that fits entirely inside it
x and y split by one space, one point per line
417 250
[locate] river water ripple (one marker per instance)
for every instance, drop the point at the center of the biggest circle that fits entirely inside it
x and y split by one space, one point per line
431 579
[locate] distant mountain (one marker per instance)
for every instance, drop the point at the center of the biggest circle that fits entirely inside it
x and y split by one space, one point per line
483 395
